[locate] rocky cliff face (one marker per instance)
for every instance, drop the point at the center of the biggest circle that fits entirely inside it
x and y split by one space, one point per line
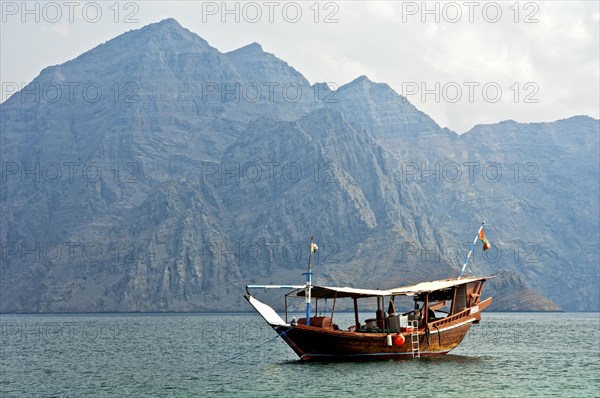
155 173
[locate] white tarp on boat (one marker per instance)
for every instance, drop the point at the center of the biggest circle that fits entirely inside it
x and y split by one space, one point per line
329 291
433 286
340 292
266 312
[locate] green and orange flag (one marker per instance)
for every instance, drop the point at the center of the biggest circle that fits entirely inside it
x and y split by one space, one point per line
486 244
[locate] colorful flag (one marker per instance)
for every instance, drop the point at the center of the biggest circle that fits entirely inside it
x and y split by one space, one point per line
313 247
486 244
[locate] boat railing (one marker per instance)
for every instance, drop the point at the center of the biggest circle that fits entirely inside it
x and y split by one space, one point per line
451 318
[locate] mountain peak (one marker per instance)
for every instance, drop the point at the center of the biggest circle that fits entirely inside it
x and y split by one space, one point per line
363 82
362 79
253 47
169 30
364 88
168 23
165 27
253 63
254 50
165 35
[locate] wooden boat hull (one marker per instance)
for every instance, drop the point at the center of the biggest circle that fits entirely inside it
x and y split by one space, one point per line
312 343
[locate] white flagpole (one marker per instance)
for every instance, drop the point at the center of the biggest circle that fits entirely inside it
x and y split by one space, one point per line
308 283
471 251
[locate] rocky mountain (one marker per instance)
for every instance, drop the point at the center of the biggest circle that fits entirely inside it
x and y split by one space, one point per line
155 173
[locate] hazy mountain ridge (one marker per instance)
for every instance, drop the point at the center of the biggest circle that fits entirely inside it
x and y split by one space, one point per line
204 191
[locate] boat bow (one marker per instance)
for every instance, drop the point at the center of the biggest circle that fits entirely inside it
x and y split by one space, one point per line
266 312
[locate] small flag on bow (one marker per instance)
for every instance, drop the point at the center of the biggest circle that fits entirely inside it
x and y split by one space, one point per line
313 247
486 244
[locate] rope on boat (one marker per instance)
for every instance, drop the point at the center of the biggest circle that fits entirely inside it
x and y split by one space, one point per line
250 350
279 334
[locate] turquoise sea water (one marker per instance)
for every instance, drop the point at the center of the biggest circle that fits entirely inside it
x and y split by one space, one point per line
167 355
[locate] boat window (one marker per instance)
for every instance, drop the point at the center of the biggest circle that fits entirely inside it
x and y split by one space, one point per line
403 304
440 302
440 309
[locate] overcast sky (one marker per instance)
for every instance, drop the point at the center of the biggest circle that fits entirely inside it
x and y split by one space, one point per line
463 63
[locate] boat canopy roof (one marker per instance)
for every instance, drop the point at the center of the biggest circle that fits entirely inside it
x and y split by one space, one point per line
428 287
341 292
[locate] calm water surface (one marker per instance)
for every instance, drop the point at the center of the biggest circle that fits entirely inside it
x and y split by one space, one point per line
507 355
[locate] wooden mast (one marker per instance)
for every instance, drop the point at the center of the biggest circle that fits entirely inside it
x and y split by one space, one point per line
356 321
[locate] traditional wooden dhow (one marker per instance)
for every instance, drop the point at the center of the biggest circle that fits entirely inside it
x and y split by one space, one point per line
438 317
444 311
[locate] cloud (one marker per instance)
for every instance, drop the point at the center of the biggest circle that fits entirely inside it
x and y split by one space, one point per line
58 30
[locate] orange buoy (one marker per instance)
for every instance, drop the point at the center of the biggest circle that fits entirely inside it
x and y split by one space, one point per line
399 340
